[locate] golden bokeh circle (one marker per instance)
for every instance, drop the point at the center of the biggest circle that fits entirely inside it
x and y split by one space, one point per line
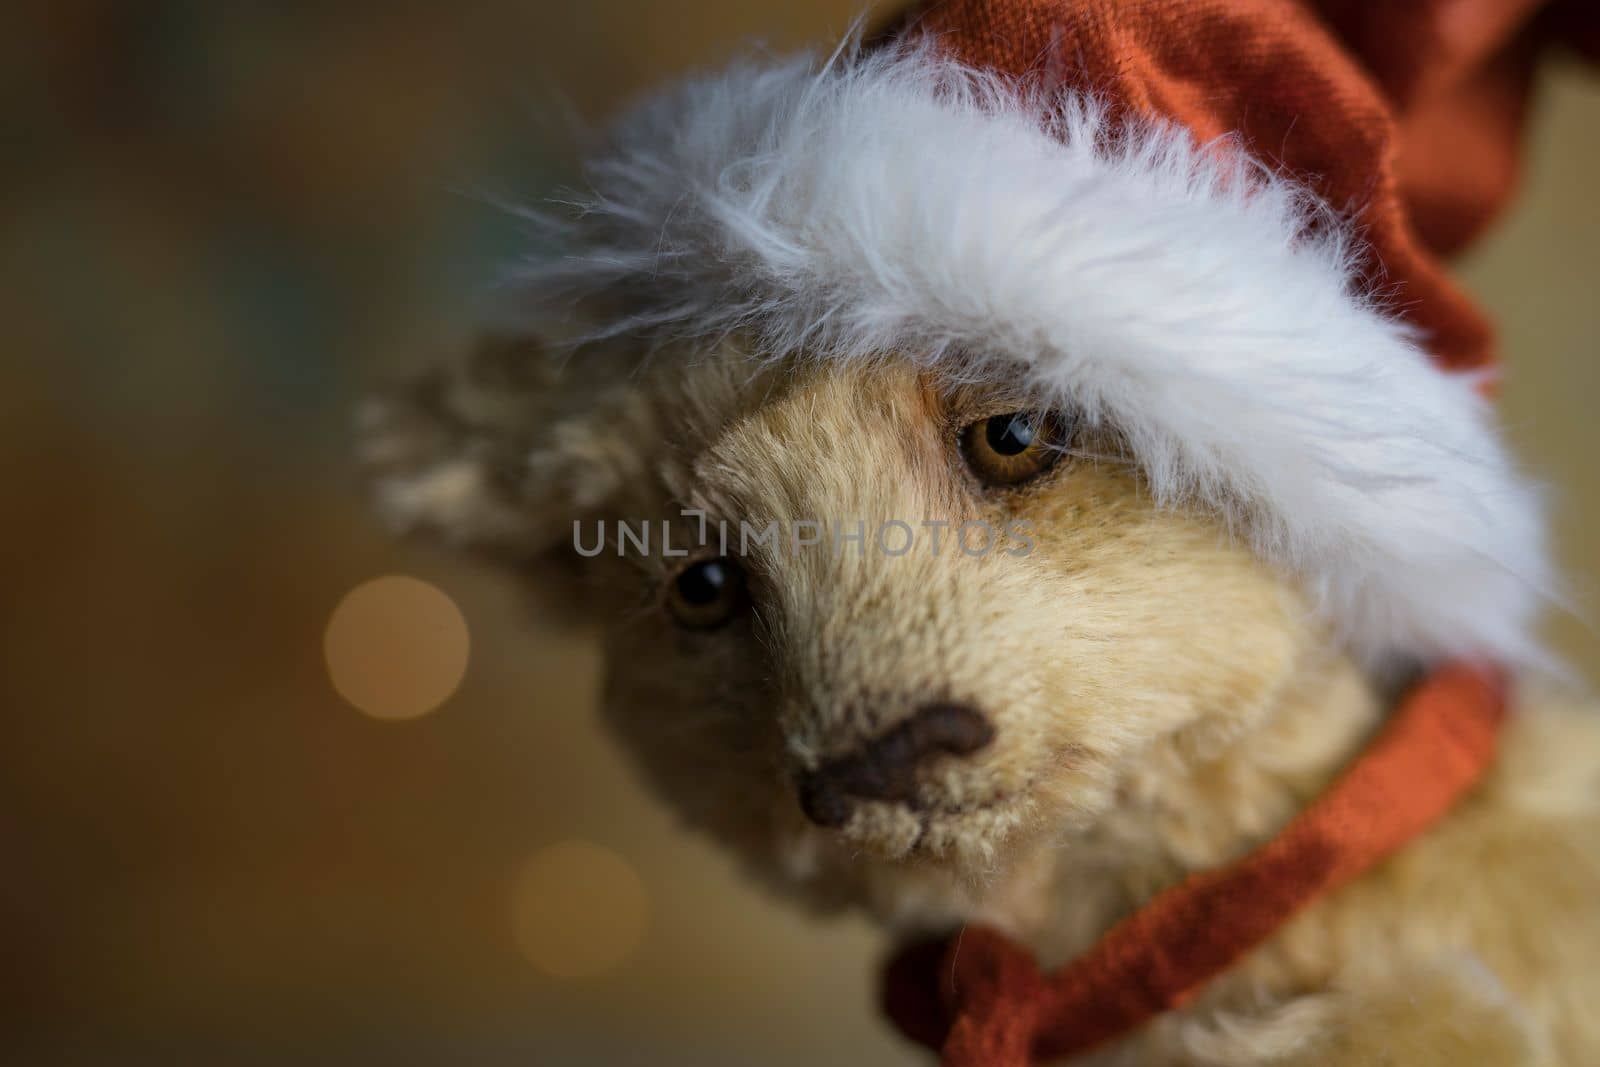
396 647
578 910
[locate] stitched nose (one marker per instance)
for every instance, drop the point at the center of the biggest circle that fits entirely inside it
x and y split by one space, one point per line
886 768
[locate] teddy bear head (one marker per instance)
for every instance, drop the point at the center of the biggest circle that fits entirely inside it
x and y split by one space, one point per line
880 631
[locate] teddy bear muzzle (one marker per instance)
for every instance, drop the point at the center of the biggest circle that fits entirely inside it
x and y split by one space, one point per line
886 767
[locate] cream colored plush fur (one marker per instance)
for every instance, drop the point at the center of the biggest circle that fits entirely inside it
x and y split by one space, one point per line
1162 700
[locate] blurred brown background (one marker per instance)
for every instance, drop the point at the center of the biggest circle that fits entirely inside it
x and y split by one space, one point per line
221 223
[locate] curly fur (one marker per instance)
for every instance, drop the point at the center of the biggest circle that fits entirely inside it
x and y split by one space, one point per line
1162 700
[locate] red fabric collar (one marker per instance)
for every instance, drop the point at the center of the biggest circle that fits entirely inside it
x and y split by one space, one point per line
980 998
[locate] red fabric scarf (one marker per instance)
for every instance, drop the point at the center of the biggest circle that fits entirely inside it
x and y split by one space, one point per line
980 998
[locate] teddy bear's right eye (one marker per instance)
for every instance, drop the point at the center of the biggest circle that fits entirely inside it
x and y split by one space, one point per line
707 594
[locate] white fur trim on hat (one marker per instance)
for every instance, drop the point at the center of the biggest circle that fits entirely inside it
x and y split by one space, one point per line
899 202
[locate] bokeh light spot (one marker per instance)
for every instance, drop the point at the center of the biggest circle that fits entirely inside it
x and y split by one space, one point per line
396 647
578 910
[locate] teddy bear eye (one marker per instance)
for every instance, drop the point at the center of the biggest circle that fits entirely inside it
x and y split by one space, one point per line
707 594
1009 449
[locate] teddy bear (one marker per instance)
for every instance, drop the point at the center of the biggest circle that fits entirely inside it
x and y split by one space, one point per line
1035 485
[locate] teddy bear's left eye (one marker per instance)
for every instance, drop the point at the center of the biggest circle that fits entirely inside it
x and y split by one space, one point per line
1008 449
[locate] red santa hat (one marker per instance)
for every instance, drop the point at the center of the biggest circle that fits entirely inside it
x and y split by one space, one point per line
1212 225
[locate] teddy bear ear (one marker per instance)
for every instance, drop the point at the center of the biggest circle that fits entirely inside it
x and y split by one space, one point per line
461 454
